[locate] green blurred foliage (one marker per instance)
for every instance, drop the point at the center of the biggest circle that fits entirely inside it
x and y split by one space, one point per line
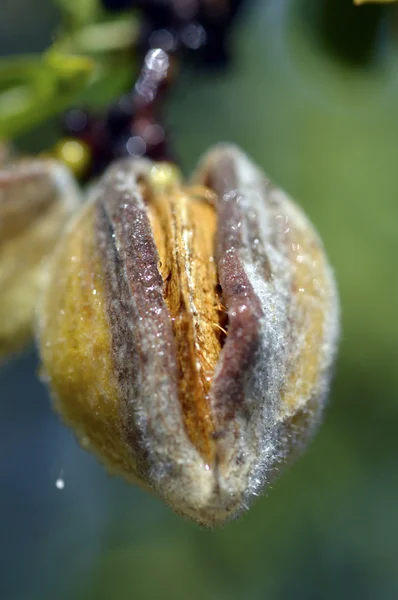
33 90
78 13
89 63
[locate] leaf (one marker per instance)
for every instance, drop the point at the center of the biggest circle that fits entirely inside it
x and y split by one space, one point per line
34 88
89 63
100 38
111 79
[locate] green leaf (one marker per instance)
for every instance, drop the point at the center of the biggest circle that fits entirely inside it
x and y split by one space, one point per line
33 88
100 38
111 79
89 63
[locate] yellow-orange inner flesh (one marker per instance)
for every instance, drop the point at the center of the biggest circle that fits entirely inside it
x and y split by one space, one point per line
184 225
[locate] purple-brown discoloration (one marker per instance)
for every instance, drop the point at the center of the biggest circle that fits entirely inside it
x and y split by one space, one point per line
136 307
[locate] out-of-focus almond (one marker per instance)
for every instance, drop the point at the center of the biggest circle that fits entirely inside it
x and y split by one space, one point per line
36 199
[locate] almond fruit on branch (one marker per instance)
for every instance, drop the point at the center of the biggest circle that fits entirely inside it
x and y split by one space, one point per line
188 330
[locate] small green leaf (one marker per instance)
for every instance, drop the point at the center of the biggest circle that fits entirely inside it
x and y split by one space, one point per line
33 88
68 67
100 38
111 79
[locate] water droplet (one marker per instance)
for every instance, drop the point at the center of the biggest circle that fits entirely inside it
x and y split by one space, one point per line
157 60
162 38
193 36
136 146
60 483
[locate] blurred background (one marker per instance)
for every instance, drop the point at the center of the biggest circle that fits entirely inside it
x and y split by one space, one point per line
311 93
